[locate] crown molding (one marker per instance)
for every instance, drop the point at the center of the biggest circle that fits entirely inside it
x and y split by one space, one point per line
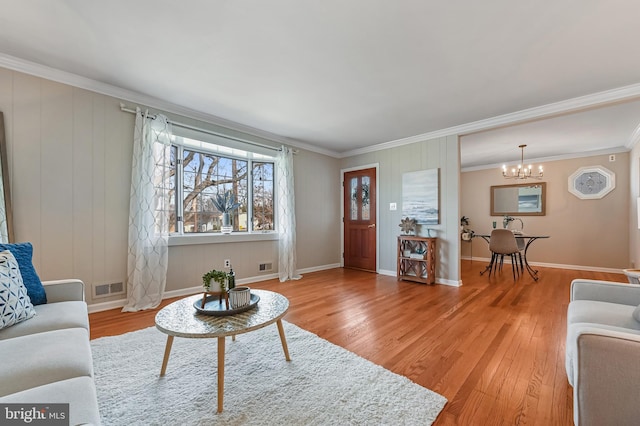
550 158
634 138
569 105
549 110
53 74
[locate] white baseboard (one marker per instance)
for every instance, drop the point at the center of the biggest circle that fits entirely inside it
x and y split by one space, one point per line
452 283
105 306
554 265
319 268
438 280
114 304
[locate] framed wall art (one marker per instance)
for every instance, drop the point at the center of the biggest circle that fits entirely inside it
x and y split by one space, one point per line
421 196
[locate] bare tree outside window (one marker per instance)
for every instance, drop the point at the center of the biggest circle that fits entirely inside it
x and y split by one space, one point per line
263 196
204 175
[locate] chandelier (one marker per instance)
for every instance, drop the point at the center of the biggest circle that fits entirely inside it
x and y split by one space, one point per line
521 172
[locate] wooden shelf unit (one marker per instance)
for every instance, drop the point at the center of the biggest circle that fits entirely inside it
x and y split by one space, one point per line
412 269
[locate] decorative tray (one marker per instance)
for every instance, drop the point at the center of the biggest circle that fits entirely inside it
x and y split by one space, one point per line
213 305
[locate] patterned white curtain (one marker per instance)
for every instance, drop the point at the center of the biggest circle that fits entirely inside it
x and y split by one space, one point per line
148 212
286 216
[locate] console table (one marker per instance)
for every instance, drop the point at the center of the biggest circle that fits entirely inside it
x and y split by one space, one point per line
417 259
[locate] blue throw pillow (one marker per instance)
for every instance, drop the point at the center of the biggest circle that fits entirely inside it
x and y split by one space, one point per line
15 305
23 252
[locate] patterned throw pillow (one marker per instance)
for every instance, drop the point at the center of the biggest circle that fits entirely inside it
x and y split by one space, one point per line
15 305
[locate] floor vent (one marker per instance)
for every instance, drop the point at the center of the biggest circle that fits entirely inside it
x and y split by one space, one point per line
104 290
265 267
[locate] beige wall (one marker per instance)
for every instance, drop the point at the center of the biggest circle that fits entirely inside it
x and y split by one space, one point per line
69 155
440 153
634 193
584 233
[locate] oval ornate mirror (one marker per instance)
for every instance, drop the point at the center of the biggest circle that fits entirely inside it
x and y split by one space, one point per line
526 199
6 217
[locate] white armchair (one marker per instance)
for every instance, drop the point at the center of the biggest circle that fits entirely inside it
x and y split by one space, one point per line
603 352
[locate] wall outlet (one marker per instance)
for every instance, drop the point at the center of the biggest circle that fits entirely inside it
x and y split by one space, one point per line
393 206
612 158
227 263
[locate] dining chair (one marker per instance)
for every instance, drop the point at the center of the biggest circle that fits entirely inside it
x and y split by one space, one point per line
501 243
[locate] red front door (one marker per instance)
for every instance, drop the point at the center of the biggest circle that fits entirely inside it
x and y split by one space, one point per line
360 219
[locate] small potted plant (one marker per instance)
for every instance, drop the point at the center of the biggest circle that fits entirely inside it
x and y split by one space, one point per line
466 233
218 276
221 278
225 204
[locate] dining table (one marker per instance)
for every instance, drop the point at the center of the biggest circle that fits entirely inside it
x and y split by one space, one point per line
528 239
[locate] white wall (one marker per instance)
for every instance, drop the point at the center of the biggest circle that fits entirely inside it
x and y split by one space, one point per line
69 154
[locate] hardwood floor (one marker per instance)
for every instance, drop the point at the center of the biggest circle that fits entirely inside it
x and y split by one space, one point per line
493 348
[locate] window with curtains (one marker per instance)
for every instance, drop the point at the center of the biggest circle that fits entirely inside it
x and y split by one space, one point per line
202 170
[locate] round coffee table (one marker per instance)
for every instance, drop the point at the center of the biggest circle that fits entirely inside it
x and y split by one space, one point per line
181 319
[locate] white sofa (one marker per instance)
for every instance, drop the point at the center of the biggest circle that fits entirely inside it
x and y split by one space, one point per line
603 352
47 359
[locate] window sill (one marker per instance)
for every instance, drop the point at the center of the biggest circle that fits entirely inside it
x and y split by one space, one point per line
238 237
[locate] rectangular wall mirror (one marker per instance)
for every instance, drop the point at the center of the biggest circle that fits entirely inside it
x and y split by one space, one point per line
525 199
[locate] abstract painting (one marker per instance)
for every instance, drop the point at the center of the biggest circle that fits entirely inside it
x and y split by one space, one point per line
421 197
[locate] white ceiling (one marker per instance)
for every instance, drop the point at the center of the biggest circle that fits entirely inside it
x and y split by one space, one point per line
343 76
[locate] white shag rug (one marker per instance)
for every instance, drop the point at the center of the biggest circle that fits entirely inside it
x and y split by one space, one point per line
323 384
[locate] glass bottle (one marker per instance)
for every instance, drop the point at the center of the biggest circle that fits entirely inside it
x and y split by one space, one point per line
232 278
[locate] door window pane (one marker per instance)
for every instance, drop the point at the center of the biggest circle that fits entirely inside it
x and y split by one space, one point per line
353 190
365 198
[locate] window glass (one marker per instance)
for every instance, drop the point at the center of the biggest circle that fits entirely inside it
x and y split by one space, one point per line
263 196
172 190
353 190
204 177
208 171
365 198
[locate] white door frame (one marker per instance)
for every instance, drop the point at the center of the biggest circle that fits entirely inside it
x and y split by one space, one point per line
351 169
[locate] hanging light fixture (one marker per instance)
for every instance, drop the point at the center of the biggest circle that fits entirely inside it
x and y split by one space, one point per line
522 171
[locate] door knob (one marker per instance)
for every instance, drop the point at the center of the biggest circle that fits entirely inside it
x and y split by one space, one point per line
373 225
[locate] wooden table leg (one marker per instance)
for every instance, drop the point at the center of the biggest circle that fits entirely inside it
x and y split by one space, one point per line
167 351
283 340
220 373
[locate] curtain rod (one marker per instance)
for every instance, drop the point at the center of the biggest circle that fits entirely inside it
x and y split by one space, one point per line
124 108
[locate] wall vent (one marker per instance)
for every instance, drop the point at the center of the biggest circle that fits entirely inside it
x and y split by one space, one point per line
109 289
265 267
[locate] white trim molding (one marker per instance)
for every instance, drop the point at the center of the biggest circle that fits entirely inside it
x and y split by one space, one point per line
543 111
64 77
